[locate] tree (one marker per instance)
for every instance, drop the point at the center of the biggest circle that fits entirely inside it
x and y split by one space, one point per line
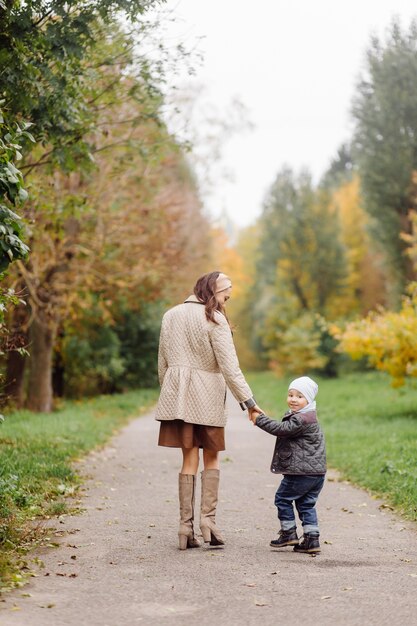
126 235
48 49
364 286
385 144
12 246
12 192
340 170
300 243
302 268
79 76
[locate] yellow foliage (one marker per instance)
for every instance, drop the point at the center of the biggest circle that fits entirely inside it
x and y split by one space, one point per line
411 239
228 260
388 339
364 284
239 263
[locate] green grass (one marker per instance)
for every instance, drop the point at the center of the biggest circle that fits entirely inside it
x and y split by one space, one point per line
370 429
37 452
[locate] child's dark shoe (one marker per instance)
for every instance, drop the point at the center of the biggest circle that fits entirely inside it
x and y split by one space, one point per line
310 544
285 538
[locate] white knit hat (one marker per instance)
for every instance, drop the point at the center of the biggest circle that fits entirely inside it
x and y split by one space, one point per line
306 386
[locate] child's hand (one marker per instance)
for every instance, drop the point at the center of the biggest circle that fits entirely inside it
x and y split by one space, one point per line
254 413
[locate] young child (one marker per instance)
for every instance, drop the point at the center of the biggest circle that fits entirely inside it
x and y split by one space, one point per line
300 455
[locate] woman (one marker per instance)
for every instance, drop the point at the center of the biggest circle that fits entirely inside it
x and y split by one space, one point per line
197 362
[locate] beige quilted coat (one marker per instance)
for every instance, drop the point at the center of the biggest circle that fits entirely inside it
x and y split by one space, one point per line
197 362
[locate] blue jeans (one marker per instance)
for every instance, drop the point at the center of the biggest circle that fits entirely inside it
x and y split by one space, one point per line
303 491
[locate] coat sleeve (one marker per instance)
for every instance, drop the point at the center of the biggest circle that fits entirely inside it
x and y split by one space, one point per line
162 362
291 427
225 353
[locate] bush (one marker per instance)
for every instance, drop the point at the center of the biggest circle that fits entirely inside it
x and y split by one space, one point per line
306 344
387 339
112 357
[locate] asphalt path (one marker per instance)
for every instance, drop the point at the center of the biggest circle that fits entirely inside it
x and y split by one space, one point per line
118 563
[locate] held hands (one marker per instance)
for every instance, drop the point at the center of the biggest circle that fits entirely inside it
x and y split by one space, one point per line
254 412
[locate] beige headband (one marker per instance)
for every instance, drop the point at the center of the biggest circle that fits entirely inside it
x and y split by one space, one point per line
222 283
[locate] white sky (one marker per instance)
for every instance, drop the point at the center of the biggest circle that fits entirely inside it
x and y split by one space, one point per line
294 65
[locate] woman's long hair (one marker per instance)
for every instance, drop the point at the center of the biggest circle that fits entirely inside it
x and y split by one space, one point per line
205 291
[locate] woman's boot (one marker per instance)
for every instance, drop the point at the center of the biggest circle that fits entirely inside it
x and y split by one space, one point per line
186 492
209 494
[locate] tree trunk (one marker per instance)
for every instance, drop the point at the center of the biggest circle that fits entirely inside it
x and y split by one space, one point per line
15 367
42 336
14 390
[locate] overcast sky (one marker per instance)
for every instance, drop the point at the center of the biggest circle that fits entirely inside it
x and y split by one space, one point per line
294 65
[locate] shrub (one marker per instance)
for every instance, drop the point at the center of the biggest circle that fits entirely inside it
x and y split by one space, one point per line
387 339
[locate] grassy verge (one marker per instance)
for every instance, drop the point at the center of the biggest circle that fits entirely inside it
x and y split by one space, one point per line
370 429
36 472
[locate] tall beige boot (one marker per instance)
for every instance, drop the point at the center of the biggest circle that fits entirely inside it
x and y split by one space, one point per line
186 492
209 494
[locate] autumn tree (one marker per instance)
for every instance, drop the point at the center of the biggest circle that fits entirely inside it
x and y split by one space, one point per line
87 90
127 236
386 339
365 285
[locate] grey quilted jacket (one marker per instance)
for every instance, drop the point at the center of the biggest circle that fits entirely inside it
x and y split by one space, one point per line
197 362
300 446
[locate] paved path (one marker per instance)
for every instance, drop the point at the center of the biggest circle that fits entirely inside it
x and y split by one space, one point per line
118 563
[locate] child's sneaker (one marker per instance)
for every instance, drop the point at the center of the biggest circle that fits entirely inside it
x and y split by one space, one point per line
309 544
285 538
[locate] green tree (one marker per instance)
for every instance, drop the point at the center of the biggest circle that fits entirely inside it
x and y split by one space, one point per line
302 267
48 50
12 192
340 170
300 244
385 144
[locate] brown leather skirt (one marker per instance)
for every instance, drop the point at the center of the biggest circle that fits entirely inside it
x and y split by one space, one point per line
179 434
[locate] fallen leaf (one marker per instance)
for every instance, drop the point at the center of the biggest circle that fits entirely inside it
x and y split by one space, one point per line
347 588
329 543
250 584
260 603
325 597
